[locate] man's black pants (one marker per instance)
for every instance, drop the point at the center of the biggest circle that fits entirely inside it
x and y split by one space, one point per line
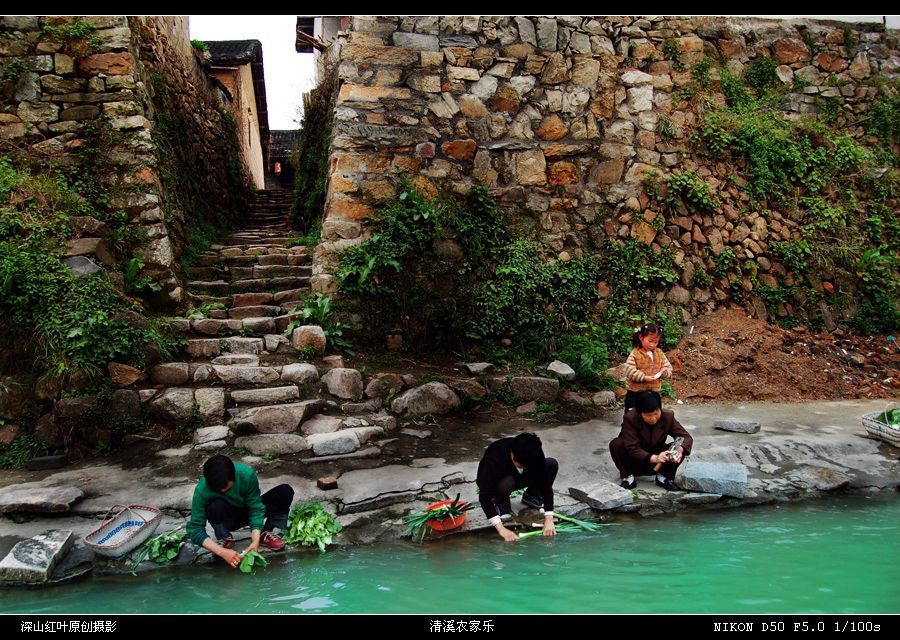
508 484
226 518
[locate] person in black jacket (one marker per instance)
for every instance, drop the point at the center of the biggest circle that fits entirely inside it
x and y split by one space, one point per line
641 448
515 463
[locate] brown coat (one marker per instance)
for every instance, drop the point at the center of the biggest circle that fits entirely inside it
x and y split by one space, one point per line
643 440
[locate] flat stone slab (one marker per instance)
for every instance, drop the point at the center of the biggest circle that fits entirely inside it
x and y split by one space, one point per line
270 395
215 445
699 498
726 478
39 500
32 561
209 434
174 453
527 388
602 495
478 368
416 433
737 426
273 445
369 452
321 424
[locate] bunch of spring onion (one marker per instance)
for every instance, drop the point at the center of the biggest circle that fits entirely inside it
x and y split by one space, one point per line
568 525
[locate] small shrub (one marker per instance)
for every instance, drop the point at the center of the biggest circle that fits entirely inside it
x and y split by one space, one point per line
20 451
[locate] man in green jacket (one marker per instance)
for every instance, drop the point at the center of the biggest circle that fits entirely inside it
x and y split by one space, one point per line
228 497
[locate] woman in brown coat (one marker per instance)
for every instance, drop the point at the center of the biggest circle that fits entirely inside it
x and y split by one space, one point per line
641 448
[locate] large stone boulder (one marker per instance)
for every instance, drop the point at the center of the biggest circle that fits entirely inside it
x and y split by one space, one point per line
726 478
383 384
344 383
602 495
32 561
331 444
309 336
173 406
434 398
561 370
273 445
38 499
279 418
300 373
535 388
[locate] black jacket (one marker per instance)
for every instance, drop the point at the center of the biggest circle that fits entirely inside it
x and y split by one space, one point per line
497 464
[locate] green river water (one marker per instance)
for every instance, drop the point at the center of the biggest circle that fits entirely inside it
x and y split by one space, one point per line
827 556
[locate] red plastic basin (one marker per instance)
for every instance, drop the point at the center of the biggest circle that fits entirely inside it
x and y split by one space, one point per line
449 523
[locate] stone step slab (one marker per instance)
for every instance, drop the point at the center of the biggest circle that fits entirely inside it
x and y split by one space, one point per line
725 478
250 300
210 434
273 445
209 347
32 561
256 311
215 445
602 495
280 418
321 424
245 359
269 395
270 284
243 375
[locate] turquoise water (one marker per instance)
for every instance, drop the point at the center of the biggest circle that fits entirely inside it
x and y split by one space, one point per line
830 556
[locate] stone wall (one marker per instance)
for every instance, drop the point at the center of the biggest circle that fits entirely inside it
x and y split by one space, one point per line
559 115
105 75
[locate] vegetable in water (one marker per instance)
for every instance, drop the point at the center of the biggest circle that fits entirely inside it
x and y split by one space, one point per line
162 548
252 559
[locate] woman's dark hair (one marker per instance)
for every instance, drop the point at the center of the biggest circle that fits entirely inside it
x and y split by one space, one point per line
218 471
647 401
643 331
528 452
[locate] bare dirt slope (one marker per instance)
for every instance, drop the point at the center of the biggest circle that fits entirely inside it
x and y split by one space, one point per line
731 357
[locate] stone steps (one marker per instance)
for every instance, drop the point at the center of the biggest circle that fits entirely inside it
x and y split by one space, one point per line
223 288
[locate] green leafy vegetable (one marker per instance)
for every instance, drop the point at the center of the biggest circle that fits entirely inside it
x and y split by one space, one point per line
161 549
251 560
310 524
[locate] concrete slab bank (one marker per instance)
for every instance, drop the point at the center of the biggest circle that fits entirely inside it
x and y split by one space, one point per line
801 451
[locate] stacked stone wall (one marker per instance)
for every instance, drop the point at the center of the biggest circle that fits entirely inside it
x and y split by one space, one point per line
62 83
560 116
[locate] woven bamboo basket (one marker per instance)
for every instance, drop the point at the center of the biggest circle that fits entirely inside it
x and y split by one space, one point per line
879 430
125 527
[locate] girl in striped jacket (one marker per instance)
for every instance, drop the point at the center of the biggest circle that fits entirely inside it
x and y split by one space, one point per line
646 365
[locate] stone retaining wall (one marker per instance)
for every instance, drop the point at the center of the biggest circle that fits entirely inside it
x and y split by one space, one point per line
559 115
61 84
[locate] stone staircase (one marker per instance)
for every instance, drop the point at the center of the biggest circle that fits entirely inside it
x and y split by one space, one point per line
238 373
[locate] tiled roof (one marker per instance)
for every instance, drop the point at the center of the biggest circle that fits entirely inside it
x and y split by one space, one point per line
229 52
282 142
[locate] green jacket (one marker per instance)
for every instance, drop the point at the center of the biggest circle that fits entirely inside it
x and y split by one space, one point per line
243 494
